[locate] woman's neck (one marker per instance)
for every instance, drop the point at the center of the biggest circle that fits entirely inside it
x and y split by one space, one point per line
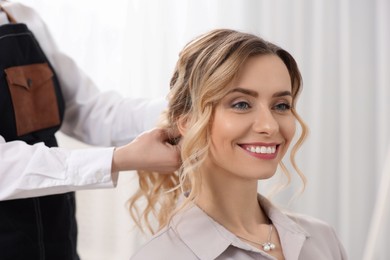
232 202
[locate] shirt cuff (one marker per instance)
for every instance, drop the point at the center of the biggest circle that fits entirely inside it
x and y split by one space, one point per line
92 166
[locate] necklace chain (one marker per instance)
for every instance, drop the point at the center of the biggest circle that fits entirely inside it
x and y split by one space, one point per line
267 246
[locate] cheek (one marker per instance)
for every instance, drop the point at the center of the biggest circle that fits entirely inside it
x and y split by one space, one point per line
224 130
288 127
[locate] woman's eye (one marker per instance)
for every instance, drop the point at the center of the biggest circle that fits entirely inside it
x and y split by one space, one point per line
242 105
283 107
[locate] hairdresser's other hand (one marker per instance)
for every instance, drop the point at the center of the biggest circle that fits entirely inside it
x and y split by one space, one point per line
149 151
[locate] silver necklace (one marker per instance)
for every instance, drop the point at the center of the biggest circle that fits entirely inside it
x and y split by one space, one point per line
267 246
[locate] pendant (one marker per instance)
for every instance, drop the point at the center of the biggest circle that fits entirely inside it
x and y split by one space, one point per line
268 246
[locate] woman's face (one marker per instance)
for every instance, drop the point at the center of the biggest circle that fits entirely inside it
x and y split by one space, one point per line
253 124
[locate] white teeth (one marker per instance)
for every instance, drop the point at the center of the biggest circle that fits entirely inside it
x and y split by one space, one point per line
262 149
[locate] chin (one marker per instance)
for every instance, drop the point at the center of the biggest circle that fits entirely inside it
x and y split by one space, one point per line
260 176
266 176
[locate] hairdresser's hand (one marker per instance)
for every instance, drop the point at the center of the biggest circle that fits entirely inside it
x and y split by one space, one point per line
150 151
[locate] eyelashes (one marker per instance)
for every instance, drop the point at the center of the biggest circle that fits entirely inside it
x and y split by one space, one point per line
283 107
241 105
244 106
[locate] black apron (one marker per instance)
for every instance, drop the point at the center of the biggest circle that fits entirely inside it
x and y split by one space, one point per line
31 110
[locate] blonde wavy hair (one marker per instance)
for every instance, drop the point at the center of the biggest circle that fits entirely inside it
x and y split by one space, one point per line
205 67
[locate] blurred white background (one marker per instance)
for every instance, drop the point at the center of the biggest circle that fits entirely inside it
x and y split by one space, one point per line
342 47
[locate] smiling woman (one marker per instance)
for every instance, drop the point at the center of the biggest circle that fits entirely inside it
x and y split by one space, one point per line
232 101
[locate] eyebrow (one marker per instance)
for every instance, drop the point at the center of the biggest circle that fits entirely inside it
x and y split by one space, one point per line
282 94
255 94
244 91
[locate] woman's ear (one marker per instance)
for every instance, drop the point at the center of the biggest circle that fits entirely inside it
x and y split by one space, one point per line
182 125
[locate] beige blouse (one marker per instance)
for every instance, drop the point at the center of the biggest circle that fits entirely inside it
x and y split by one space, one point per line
192 234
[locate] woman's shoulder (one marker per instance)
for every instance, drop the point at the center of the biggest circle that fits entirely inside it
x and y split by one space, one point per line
165 244
309 222
315 227
321 236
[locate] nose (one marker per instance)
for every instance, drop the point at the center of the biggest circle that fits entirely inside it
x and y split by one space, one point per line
265 122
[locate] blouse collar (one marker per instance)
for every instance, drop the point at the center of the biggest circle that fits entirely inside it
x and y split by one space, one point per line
214 239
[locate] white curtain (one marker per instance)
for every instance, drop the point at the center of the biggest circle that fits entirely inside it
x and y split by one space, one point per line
342 47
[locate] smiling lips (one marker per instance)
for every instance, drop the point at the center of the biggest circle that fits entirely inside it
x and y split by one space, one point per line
268 151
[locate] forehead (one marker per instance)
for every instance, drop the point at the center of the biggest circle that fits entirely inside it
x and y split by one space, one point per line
263 71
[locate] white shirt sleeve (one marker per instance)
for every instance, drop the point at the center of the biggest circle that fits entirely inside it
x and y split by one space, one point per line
36 170
101 118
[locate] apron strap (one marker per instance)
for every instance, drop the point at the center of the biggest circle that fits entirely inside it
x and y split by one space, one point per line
11 19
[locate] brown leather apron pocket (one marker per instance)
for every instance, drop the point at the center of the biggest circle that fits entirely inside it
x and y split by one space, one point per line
33 97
